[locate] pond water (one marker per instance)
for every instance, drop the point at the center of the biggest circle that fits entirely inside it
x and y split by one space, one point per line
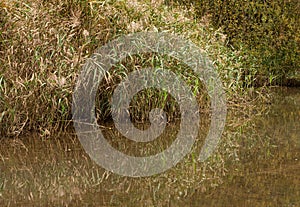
269 173
257 164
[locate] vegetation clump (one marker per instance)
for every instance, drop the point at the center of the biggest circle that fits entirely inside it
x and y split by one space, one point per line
44 45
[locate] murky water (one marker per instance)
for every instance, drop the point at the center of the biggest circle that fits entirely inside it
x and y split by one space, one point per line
257 164
268 173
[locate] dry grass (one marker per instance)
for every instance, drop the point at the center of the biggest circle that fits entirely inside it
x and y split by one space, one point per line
45 43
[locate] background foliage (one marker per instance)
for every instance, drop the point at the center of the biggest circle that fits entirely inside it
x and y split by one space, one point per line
267 30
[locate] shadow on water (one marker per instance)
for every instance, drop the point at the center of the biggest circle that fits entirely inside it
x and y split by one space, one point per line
257 164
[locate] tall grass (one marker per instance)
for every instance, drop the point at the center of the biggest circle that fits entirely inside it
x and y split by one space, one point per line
45 43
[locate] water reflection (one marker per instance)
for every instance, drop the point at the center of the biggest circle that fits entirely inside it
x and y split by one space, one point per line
257 164
268 171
